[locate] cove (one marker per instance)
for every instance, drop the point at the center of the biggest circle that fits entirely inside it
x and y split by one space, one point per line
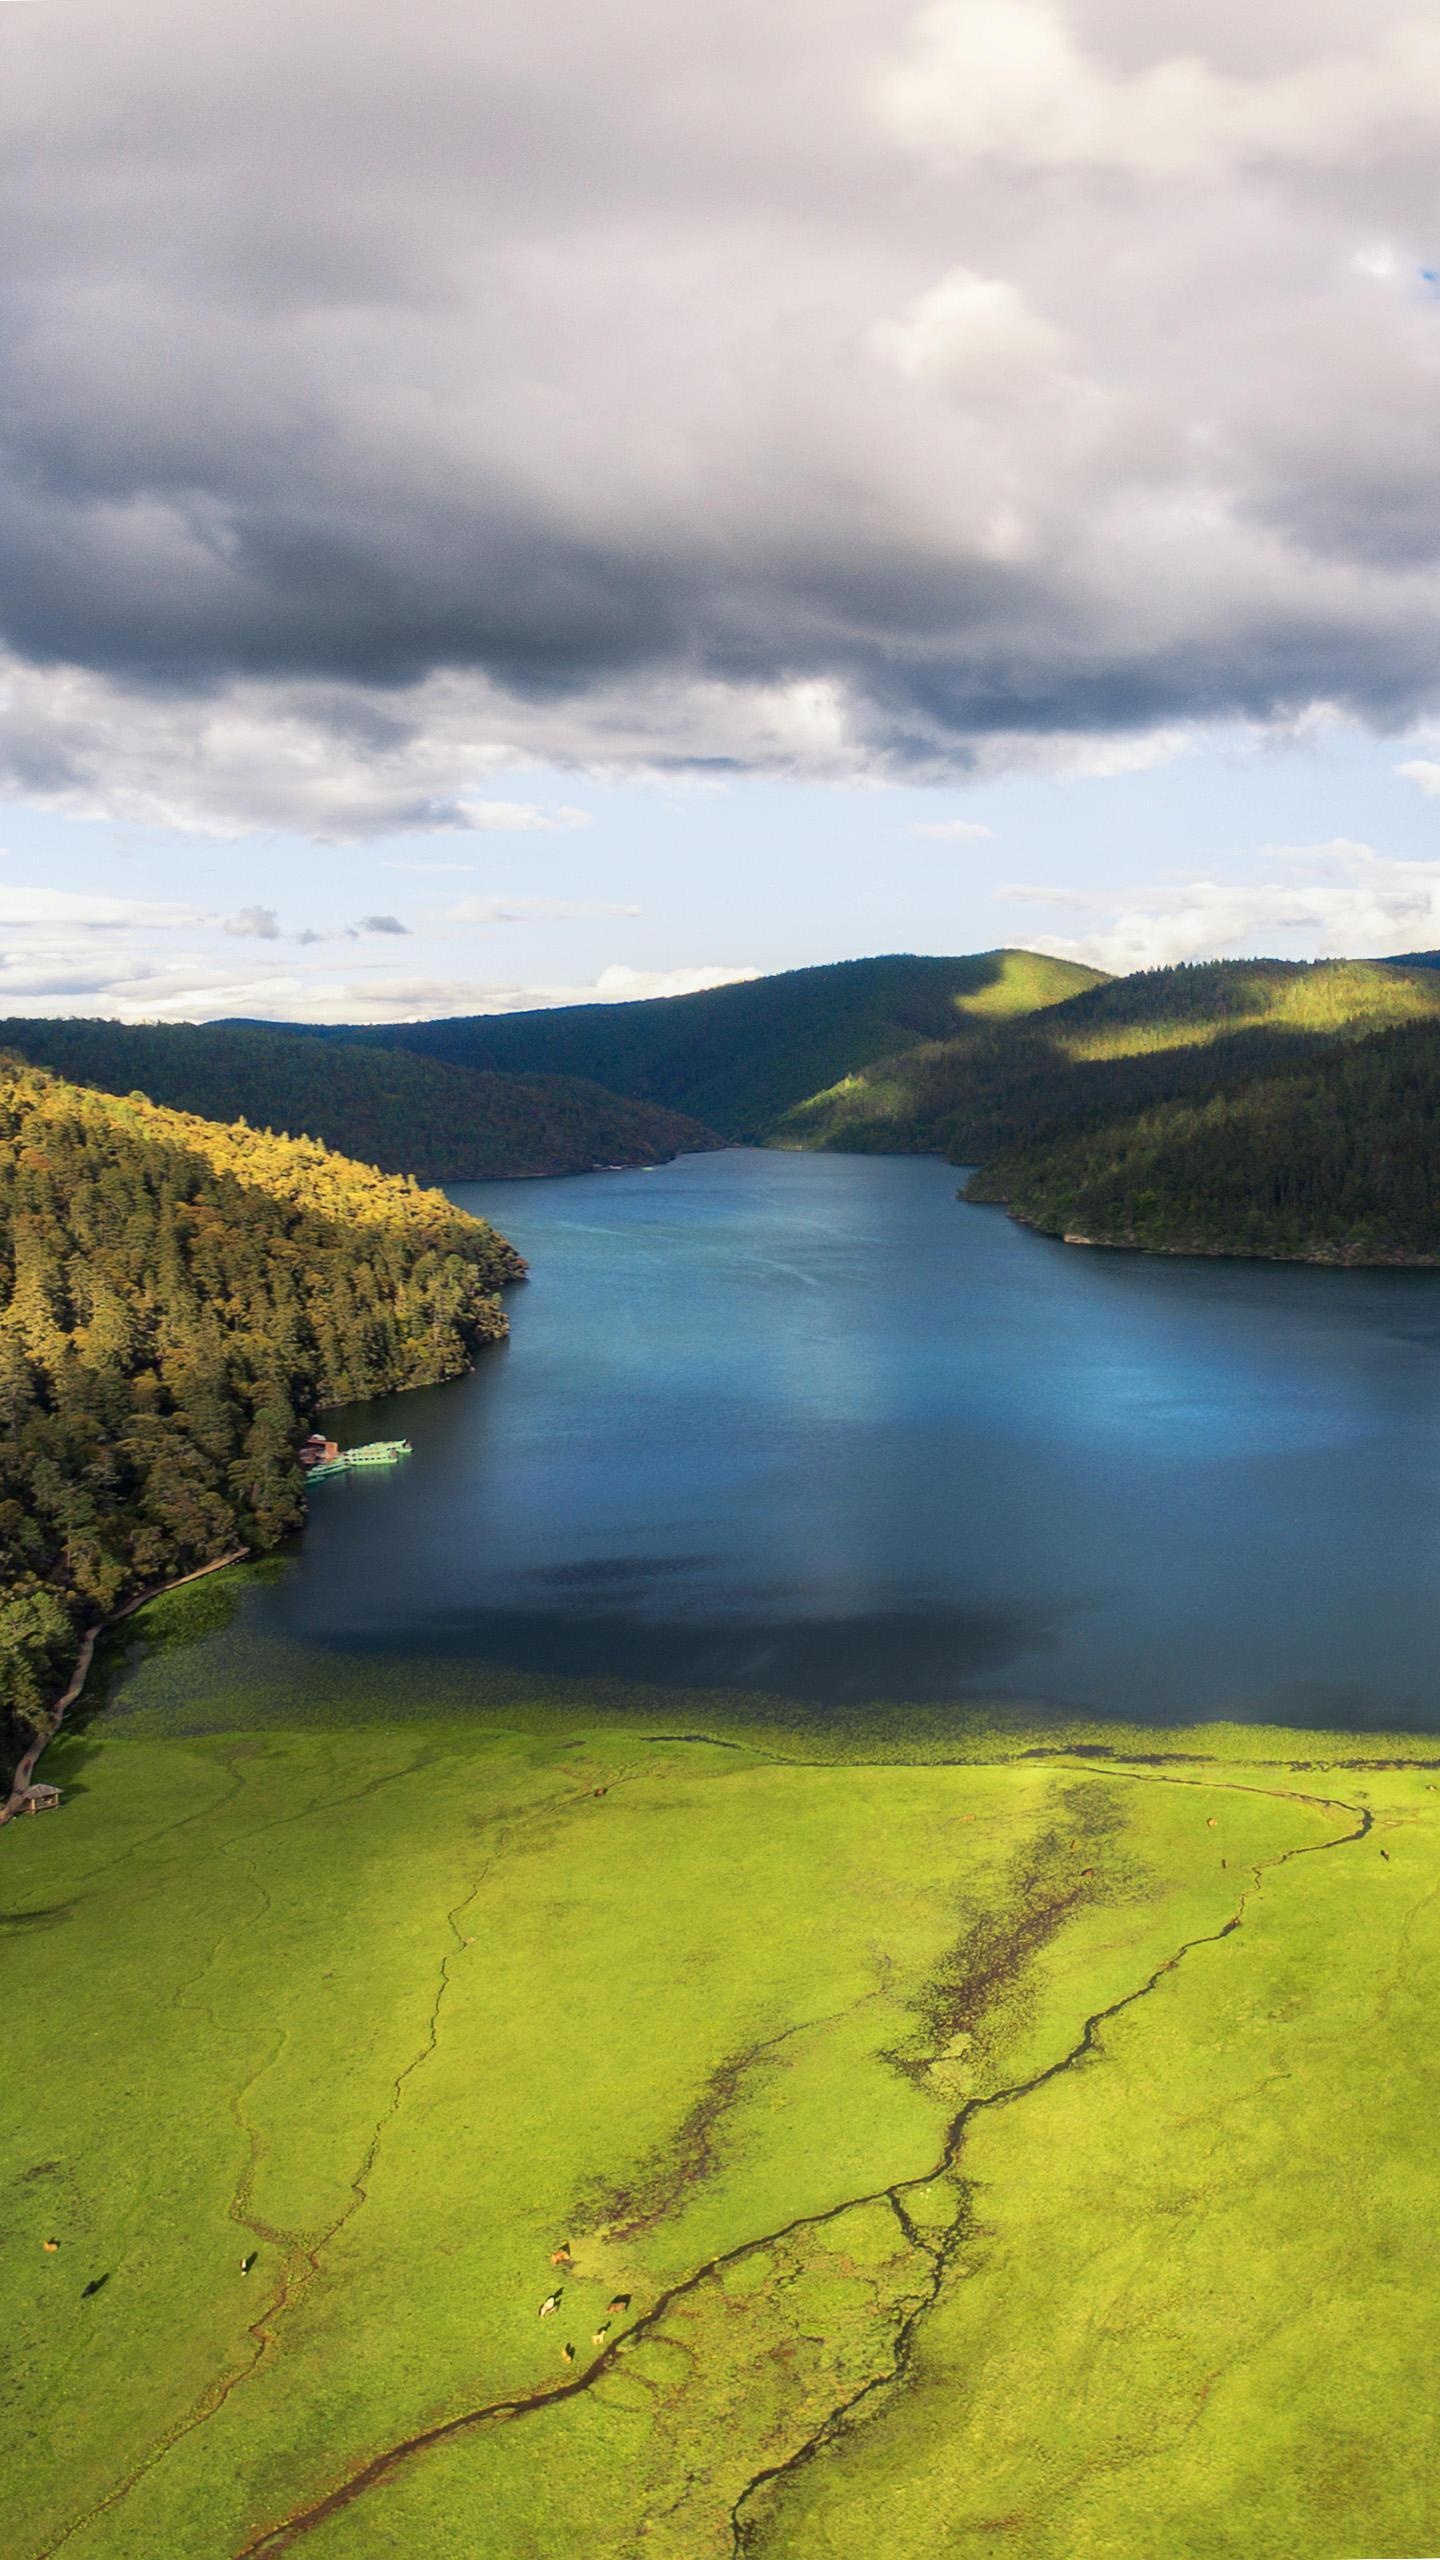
811 1427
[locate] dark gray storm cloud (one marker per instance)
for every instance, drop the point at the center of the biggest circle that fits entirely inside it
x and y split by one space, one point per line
845 387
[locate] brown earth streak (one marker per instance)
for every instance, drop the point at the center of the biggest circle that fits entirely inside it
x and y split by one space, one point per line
940 2250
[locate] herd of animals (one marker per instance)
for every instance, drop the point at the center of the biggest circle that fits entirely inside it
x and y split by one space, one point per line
618 2302
561 2257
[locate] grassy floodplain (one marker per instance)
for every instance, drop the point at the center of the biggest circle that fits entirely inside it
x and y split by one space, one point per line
1004 2144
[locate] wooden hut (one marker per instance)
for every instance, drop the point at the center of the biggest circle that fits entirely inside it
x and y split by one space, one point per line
39 1798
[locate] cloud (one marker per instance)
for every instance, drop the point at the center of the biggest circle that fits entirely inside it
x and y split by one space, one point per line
619 985
1015 81
533 910
951 830
518 817
1425 775
923 392
262 924
78 910
971 333
429 868
1357 903
203 992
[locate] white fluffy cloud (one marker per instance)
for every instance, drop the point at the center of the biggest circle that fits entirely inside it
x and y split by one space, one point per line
203 993
517 817
1344 899
145 959
73 910
972 335
1032 83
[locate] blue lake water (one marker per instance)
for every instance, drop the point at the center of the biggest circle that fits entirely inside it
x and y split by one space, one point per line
808 1425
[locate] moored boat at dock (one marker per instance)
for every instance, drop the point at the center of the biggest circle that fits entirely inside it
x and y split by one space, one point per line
372 1453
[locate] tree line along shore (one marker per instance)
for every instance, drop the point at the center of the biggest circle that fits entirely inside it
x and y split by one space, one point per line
179 1297
177 1300
1270 1107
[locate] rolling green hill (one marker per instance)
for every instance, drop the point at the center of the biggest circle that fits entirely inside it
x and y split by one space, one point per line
1204 1000
1038 1071
740 1057
1334 1157
405 1114
176 1301
1117 1047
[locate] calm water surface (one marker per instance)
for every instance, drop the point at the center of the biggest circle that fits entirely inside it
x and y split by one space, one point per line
806 1424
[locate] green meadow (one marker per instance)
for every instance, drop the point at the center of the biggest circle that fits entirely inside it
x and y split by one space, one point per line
1007 2146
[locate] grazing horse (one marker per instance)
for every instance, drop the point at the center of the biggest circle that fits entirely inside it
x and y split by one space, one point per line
550 2303
597 2336
561 2257
618 2302
569 2354
247 2263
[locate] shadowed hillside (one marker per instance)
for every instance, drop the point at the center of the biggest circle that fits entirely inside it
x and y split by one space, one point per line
1115 1048
1333 1157
176 1301
405 1114
740 1057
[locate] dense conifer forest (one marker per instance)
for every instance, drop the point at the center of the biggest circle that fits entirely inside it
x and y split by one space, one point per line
1118 1047
1330 1158
177 1300
405 1114
740 1057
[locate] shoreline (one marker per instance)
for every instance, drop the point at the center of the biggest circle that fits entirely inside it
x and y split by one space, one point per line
29 1759
1319 1257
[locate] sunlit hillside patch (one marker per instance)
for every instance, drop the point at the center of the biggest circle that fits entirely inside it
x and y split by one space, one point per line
1204 1001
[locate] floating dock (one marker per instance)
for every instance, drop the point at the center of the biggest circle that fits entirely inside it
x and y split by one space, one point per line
374 1453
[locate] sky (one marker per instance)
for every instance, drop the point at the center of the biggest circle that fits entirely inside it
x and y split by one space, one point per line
512 506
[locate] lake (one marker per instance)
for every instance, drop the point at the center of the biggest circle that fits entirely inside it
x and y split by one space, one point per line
810 1426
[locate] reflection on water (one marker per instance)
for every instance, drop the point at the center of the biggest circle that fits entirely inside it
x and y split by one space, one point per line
809 1425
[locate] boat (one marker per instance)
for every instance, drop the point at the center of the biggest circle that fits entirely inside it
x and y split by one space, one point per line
372 1453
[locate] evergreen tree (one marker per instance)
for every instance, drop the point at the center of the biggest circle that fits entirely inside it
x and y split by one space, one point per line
177 1300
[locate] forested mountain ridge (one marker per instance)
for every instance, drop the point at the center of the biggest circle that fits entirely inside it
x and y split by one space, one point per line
177 1300
1267 1106
740 1057
1114 1047
386 1107
1328 1158
1198 1000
